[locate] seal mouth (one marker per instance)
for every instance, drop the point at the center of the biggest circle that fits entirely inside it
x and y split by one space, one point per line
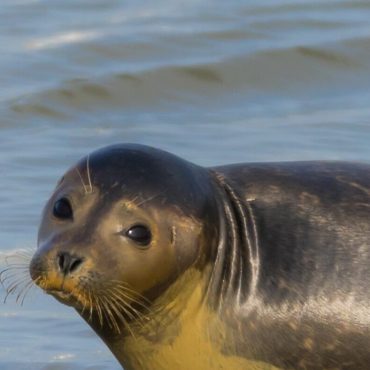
64 297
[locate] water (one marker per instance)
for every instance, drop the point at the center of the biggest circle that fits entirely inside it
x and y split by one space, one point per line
213 81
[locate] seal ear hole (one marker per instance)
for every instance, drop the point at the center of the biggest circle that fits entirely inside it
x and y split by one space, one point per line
140 234
62 209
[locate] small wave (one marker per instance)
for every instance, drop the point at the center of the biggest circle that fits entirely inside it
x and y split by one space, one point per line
300 69
64 357
9 314
61 39
325 56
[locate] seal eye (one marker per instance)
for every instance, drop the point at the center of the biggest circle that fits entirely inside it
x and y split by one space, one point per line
140 234
63 209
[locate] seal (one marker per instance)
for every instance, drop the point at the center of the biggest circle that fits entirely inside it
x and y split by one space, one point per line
245 266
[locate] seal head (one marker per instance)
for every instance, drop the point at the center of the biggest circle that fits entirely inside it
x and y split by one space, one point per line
120 228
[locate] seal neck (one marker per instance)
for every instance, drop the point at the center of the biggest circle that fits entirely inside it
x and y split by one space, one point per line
160 336
235 258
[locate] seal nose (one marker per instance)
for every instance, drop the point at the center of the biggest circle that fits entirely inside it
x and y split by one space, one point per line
68 263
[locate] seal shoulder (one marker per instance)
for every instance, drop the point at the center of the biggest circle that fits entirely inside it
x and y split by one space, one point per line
313 228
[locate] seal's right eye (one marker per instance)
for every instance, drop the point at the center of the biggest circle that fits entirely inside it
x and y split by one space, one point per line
63 209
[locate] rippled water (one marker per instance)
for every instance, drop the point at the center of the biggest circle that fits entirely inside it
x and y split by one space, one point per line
212 81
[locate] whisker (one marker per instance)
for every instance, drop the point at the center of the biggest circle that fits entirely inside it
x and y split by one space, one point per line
134 199
133 314
150 198
33 285
91 305
88 174
82 181
16 266
17 257
127 288
4 274
80 294
14 286
124 298
21 255
27 293
121 303
112 319
99 311
16 282
120 316
125 322
24 292
15 276
105 313
126 294
12 276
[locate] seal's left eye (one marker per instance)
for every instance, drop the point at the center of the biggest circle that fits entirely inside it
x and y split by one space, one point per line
139 234
63 209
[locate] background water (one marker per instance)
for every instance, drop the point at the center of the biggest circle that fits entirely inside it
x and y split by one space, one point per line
213 81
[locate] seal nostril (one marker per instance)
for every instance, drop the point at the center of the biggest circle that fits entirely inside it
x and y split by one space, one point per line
61 261
76 262
68 263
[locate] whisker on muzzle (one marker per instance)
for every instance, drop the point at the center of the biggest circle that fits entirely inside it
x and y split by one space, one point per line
15 277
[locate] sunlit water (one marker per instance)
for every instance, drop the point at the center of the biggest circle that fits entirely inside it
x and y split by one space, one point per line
213 81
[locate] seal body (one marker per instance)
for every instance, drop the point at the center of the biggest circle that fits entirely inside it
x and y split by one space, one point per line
246 266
